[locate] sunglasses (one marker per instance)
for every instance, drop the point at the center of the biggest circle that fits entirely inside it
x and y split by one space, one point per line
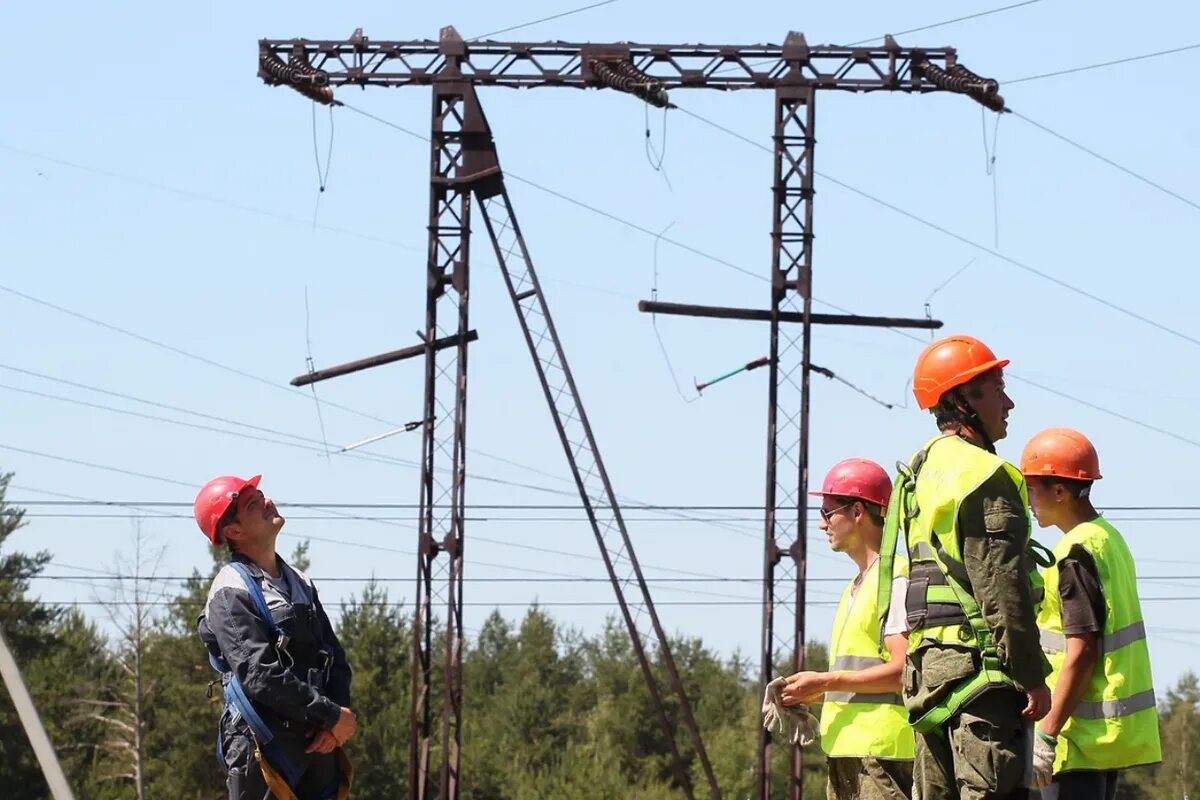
828 515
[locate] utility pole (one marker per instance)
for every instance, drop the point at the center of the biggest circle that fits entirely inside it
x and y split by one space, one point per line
463 163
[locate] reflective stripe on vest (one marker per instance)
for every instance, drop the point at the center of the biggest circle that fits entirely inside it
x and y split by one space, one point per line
924 509
1057 642
857 697
1116 724
1114 709
858 724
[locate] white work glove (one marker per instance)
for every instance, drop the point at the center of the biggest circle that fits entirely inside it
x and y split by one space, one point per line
794 723
1043 759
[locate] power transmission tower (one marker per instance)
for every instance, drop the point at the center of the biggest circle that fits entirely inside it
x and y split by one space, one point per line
464 167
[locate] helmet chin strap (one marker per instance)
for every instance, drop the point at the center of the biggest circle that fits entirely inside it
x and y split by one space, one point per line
972 421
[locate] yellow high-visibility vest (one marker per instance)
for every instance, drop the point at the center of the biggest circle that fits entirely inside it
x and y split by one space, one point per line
859 724
925 504
1116 724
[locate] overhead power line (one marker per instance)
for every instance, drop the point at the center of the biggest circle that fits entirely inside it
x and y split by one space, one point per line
193 195
497 579
343 604
355 454
381 548
964 240
486 520
944 23
1128 60
1118 415
579 203
500 506
543 19
1135 175
929 27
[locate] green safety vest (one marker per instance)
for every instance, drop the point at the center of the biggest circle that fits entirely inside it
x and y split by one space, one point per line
1116 724
856 724
924 507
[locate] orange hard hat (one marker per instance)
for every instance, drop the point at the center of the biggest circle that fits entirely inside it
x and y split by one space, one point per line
1060 453
950 362
215 498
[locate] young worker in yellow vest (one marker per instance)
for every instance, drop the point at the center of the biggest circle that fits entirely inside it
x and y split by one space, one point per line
864 728
1103 716
975 678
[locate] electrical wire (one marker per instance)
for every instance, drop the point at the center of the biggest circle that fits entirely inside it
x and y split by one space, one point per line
499 579
1118 415
543 19
370 456
490 506
1074 70
343 604
205 198
929 27
1131 173
964 240
578 203
476 538
948 22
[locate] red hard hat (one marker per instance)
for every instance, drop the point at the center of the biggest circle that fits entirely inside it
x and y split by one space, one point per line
1061 453
859 478
950 362
214 500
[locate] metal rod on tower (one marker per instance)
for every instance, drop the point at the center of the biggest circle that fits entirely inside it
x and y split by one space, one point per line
389 357
757 315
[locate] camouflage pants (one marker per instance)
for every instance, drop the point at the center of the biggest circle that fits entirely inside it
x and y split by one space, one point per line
983 753
869 779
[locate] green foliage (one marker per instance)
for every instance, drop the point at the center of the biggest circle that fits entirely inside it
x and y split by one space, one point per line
377 637
549 713
1179 727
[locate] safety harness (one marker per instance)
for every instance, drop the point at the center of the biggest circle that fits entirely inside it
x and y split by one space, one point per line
940 594
273 761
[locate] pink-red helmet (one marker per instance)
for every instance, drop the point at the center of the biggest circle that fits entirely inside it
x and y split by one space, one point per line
859 478
214 500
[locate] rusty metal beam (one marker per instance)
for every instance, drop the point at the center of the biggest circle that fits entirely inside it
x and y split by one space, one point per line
757 315
674 66
378 361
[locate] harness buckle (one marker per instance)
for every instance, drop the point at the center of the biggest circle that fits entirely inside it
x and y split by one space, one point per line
281 647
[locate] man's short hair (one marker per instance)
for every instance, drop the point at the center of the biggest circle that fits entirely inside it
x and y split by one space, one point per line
228 517
948 410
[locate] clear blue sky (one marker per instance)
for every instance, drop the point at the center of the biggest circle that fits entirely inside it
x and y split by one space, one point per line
104 101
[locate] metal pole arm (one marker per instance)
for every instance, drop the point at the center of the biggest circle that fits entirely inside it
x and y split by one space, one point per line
764 315
309 65
377 361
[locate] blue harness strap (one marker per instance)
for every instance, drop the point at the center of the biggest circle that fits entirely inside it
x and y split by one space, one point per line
235 696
